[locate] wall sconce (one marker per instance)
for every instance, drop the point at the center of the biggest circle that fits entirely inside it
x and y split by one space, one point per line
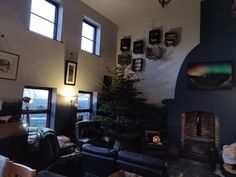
72 98
164 2
69 94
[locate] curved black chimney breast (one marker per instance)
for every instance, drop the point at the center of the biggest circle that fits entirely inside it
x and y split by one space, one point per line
218 43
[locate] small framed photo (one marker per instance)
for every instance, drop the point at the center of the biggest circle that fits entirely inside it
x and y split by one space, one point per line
155 36
138 47
70 76
8 65
124 59
170 39
125 44
137 64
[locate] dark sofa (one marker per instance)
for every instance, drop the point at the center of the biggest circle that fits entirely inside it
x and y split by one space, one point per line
98 160
143 165
104 161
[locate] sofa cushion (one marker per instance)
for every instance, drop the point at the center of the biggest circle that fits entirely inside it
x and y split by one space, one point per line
141 159
107 152
45 173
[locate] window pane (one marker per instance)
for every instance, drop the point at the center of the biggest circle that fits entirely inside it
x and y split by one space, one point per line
36 120
39 99
84 101
41 26
84 115
88 31
43 9
87 45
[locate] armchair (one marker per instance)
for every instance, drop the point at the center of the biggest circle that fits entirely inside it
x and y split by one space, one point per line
52 159
91 132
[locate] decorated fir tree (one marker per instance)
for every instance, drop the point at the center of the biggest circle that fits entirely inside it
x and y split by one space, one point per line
120 106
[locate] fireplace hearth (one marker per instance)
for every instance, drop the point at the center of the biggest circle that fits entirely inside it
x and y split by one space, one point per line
200 135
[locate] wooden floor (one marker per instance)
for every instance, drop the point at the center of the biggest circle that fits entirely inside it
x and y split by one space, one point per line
186 168
189 168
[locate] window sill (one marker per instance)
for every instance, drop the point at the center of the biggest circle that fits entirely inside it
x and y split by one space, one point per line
45 37
93 54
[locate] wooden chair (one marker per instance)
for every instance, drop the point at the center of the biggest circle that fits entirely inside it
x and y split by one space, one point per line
19 170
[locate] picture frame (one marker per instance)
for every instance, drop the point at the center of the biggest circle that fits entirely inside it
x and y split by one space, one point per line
70 75
154 53
8 65
125 44
155 36
171 39
138 47
215 75
124 59
137 64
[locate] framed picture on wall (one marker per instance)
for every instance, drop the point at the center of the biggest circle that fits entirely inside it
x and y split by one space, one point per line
170 39
216 75
125 44
8 65
155 36
138 47
70 75
137 64
124 59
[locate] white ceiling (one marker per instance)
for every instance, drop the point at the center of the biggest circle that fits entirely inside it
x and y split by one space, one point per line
124 11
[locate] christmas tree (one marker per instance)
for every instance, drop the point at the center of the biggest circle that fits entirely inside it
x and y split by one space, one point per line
120 106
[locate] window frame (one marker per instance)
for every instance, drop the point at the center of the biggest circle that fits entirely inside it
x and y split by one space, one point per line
90 110
46 111
95 40
55 22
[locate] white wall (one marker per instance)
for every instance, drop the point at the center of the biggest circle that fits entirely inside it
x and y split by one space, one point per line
159 77
90 71
42 60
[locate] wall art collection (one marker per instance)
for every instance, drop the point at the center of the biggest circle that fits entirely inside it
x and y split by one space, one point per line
154 49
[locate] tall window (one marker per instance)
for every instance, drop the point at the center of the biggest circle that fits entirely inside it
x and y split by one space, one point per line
85 104
45 17
90 40
39 106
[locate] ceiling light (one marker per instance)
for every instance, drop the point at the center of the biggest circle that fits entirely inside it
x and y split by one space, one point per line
164 2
